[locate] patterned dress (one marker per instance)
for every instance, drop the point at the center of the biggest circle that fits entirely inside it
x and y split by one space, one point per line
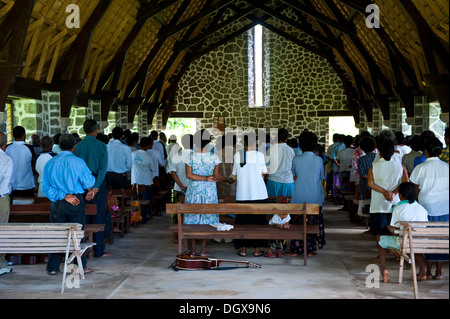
202 192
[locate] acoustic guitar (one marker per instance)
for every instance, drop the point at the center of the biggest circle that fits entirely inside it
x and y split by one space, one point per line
187 262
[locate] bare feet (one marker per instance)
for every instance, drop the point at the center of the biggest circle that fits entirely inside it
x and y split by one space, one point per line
421 277
438 277
386 276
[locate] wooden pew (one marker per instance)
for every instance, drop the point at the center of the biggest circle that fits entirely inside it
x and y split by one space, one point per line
244 231
158 201
38 238
124 215
39 212
421 238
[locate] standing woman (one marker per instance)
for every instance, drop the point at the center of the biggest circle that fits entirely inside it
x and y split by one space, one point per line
384 178
248 168
308 168
203 171
432 181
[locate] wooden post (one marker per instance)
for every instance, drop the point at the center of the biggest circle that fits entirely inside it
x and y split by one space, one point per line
180 231
413 264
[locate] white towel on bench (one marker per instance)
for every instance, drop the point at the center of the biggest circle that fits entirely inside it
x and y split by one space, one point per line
222 226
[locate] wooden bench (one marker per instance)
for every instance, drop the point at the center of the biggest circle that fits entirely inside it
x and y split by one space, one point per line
123 217
244 231
39 212
421 238
35 238
158 200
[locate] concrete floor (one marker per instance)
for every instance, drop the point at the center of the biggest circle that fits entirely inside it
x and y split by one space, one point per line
138 268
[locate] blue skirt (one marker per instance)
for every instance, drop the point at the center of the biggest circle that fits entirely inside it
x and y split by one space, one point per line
279 189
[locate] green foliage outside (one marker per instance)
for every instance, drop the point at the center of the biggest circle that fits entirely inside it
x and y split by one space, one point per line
180 127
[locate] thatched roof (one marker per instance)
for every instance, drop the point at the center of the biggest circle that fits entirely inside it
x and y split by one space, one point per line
134 50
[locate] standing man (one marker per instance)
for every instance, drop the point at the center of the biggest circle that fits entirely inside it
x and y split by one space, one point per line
144 166
95 155
119 161
24 158
42 159
6 169
66 179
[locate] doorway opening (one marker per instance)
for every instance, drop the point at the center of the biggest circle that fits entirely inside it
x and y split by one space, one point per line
341 125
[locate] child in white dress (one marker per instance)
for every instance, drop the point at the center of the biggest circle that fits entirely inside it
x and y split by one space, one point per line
280 221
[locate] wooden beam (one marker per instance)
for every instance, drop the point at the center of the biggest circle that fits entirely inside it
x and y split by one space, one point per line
396 57
374 70
430 42
146 13
140 76
115 67
220 26
300 26
13 30
159 83
308 10
205 12
76 54
406 96
74 59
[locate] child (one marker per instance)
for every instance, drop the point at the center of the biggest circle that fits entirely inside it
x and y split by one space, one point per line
407 210
280 221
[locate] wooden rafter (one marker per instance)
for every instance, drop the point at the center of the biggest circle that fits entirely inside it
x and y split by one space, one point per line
13 31
68 73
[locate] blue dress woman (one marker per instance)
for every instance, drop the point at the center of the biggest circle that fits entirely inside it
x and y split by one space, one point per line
203 172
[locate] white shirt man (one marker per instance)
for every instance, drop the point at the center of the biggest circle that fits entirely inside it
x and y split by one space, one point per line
144 168
345 159
159 152
43 158
119 157
177 165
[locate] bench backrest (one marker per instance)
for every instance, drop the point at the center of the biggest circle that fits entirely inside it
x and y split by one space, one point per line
425 237
277 199
234 208
43 209
38 237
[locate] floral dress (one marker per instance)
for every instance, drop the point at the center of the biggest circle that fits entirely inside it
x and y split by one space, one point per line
202 192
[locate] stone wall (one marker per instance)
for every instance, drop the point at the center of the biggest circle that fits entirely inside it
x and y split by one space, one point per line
301 83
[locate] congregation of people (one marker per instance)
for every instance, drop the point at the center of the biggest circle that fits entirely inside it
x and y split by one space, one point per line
398 178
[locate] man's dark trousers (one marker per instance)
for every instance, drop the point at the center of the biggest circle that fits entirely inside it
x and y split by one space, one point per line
64 212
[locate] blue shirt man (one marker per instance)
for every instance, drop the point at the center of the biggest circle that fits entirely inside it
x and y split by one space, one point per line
66 179
66 174
119 161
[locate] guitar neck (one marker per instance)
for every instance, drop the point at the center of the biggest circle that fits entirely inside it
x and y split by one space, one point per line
219 261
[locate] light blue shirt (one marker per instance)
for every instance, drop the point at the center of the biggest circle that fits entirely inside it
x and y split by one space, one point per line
119 157
334 152
308 168
66 174
22 157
